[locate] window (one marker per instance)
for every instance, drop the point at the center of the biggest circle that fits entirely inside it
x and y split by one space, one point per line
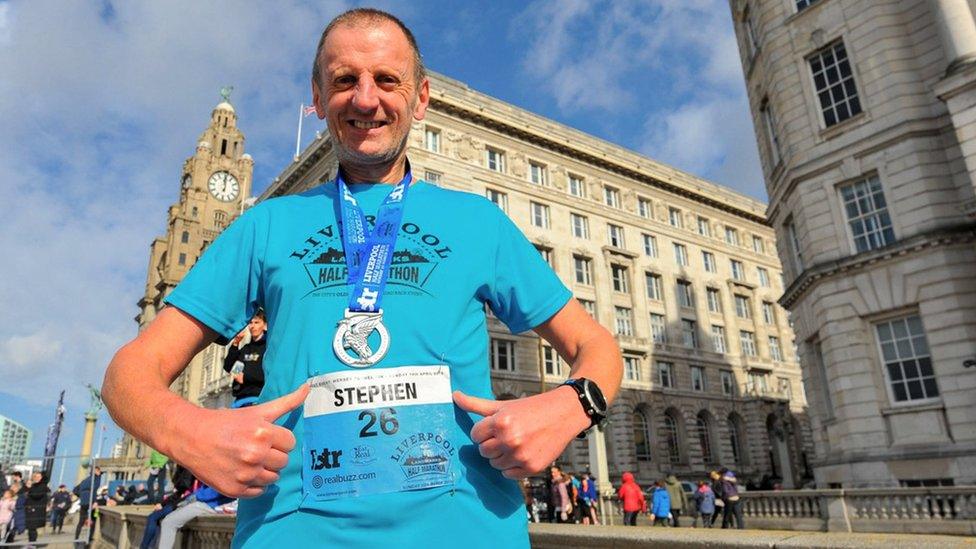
499 198
182 259
551 361
747 340
758 382
697 378
185 237
742 306
673 438
194 211
803 4
703 227
794 243
735 438
769 126
540 215
659 329
665 374
728 383
738 271
681 254
642 436
908 364
615 235
823 379
752 39
495 159
611 197
674 217
650 245
718 339
624 320
757 245
731 236
763 276
432 177
580 224
708 260
686 297
769 314
590 306
618 274
714 300
546 254
502 354
538 174
577 187
705 436
631 368
654 290
432 140
644 208
834 83
867 214
220 219
689 334
583 268
775 352
785 387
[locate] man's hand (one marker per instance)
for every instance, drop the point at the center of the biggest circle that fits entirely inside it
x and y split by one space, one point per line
240 335
239 378
522 437
239 452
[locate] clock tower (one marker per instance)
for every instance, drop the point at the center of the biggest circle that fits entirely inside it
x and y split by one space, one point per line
214 184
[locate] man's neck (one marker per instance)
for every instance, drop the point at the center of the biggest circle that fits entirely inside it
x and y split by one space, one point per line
381 173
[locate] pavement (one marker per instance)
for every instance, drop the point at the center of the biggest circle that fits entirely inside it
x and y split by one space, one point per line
64 540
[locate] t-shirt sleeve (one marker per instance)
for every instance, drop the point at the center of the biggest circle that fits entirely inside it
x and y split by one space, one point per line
223 289
524 291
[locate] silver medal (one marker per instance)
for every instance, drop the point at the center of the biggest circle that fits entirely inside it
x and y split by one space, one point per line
353 333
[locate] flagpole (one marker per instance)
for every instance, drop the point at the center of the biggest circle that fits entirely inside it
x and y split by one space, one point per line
298 138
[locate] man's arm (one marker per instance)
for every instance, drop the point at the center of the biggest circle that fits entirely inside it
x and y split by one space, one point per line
238 452
233 353
523 436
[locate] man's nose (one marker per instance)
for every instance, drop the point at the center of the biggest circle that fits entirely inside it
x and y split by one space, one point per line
365 97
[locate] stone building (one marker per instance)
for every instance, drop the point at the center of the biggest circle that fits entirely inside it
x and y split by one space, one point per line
865 113
683 271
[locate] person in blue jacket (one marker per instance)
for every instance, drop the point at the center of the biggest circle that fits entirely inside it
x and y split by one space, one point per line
660 504
705 502
203 501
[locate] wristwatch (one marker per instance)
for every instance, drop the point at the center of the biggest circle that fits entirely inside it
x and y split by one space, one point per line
591 398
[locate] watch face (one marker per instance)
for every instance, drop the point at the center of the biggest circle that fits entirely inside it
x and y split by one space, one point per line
596 397
224 186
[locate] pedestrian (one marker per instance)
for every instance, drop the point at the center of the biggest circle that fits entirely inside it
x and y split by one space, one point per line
733 507
35 505
573 487
85 492
201 502
719 491
60 503
7 504
660 504
156 483
588 498
183 485
245 359
19 522
705 503
562 506
632 498
679 500
346 335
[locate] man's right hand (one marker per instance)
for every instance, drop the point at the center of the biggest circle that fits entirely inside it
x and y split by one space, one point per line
238 452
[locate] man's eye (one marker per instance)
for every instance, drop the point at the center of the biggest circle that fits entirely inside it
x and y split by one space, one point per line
386 80
344 80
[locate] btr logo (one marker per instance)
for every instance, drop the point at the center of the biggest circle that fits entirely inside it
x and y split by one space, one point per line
325 459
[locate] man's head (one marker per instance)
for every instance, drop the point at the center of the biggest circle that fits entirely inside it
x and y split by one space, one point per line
18 476
37 477
369 83
257 326
62 488
714 475
98 470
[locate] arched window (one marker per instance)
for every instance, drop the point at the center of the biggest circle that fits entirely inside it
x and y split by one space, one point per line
672 437
736 439
185 237
704 425
642 436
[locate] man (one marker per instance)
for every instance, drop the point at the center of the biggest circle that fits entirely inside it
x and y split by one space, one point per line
85 490
730 493
679 500
249 375
35 506
60 503
202 501
437 457
157 464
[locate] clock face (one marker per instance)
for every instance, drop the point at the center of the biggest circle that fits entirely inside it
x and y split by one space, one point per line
224 186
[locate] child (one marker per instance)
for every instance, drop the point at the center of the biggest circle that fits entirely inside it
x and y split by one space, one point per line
661 504
6 513
705 502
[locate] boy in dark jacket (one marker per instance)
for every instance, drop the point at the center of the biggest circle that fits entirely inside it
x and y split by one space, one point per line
245 362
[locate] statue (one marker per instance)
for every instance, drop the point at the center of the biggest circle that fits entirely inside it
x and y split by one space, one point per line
225 92
96 401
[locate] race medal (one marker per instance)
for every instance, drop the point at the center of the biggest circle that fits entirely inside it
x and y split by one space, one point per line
377 431
368 255
353 333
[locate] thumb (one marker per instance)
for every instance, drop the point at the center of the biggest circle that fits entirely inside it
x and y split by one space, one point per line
475 405
280 406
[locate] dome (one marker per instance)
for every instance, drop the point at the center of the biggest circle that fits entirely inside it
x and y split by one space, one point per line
224 106
246 156
203 145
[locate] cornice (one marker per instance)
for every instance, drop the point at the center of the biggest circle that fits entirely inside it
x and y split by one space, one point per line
941 237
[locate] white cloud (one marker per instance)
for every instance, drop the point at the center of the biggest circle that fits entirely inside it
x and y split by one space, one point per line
29 350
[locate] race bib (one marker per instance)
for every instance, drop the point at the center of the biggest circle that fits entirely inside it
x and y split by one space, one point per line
377 431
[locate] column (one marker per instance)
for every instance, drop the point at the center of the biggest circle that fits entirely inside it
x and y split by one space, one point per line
958 31
86 446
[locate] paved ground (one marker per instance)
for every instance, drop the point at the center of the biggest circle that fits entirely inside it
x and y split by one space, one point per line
65 540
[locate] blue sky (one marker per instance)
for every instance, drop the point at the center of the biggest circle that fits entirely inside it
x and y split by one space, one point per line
102 101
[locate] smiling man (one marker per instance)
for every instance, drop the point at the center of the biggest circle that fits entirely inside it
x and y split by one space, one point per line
376 424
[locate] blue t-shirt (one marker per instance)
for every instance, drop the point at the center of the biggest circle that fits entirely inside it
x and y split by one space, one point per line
455 252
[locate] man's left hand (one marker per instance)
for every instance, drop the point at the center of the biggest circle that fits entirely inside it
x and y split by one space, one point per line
524 436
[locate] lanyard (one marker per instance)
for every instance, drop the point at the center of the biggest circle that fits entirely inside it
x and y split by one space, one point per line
369 253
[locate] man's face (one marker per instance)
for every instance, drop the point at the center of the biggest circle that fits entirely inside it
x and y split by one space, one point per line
368 94
257 326
36 477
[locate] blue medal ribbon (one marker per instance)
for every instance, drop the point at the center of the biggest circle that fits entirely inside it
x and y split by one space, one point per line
369 253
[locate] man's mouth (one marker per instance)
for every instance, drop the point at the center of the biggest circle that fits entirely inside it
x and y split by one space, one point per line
363 125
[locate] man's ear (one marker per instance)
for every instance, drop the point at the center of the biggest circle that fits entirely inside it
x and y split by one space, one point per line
423 100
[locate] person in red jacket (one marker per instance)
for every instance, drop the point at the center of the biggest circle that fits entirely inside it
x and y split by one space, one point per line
632 496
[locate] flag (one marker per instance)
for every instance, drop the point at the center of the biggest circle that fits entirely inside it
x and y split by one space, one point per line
310 109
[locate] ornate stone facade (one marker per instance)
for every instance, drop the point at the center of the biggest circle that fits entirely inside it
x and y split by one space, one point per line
865 117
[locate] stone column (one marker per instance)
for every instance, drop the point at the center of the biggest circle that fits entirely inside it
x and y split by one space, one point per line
958 31
86 446
598 466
